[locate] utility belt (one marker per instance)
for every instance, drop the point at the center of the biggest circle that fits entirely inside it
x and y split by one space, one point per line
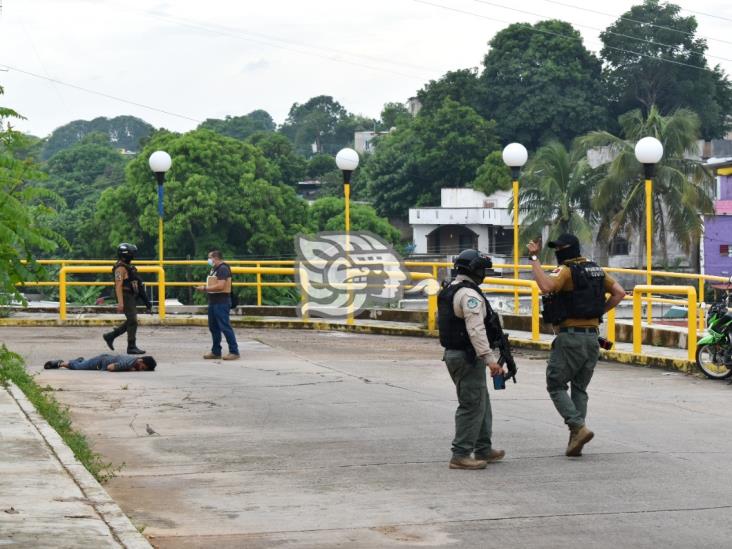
577 330
470 354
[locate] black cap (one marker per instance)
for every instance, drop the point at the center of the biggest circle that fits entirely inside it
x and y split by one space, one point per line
565 239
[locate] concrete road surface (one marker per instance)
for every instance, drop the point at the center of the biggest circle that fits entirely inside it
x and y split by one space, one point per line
329 440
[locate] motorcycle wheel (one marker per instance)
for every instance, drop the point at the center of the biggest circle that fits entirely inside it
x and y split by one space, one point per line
710 359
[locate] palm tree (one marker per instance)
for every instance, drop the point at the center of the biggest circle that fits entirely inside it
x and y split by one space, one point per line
557 192
682 186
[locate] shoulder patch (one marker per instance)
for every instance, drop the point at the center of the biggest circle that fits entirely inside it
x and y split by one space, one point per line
473 303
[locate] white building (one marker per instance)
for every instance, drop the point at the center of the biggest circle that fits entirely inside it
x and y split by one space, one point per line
363 142
466 218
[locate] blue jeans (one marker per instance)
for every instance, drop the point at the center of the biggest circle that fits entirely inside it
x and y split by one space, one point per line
95 363
218 323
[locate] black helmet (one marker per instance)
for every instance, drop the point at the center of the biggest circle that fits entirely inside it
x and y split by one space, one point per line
126 252
473 263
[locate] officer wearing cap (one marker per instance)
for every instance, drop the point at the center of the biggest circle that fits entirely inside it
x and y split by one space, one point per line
574 303
462 316
126 288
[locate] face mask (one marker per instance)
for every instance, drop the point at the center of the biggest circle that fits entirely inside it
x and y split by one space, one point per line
567 253
210 262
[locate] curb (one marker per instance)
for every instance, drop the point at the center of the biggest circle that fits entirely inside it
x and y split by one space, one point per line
651 361
118 523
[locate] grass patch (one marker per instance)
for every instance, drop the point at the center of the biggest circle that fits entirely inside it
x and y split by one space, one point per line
12 368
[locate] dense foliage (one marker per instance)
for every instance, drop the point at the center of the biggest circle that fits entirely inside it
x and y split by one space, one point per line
234 180
25 211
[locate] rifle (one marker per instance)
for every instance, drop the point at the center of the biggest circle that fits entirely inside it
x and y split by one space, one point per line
142 294
498 339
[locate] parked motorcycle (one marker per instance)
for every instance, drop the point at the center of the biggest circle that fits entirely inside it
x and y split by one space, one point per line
714 350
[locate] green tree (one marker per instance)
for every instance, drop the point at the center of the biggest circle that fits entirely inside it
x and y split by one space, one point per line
79 174
682 187
123 132
439 149
241 127
493 175
280 152
653 57
24 211
540 83
320 164
556 192
394 115
324 123
461 85
328 214
85 169
217 194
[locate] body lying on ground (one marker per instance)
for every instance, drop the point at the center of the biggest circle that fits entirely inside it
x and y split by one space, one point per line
107 361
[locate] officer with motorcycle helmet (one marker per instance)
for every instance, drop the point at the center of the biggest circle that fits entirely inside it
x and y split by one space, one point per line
462 316
127 287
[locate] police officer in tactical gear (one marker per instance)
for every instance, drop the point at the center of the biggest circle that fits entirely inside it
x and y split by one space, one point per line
127 286
463 314
574 303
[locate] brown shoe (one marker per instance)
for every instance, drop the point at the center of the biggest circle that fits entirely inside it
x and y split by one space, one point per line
209 356
495 455
579 436
467 463
231 357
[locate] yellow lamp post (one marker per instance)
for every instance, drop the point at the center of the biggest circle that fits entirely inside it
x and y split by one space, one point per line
160 163
347 161
649 151
515 156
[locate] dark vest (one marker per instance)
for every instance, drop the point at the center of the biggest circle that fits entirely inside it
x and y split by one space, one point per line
453 333
132 276
586 301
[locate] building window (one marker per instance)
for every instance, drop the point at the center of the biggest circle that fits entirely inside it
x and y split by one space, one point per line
619 246
724 249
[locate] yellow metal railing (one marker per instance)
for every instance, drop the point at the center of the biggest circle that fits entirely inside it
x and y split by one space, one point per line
261 269
75 269
690 292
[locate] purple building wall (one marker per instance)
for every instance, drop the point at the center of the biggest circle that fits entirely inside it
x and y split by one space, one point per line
718 233
725 187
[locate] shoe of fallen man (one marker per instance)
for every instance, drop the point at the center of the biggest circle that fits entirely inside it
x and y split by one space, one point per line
211 356
231 356
52 364
466 462
495 455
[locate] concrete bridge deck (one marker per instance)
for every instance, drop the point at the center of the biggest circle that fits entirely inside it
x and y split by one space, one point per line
332 439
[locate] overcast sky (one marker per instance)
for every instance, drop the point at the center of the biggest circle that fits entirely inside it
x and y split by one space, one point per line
199 60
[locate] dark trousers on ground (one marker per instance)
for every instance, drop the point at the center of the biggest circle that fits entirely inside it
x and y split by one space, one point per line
473 418
572 361
130 323
218 323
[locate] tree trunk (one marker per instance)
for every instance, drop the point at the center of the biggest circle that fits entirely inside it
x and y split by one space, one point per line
662 235
641 245
602 245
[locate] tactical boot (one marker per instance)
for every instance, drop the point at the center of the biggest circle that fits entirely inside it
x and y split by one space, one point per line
495 455
133 350
466 462
579 436
109 339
